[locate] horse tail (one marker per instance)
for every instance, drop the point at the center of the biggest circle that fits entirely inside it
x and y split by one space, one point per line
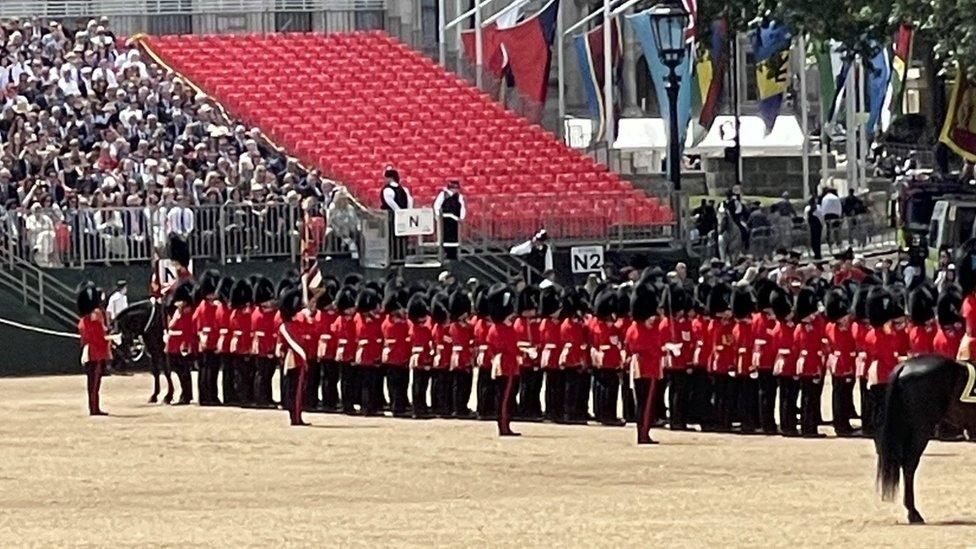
890 441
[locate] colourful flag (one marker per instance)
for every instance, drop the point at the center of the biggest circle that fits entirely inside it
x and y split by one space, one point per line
832 70
311 276
900 61
590 52
959 129
877 81
771 47
710 71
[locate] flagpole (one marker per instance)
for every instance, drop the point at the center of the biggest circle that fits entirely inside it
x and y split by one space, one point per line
608 79
862 127
824 146
737 108
850 146
442 34
560 70
478 45
804 115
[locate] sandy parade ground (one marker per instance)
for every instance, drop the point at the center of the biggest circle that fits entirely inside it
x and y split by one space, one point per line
156 475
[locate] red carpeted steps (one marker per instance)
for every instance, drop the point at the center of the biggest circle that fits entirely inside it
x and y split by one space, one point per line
351 104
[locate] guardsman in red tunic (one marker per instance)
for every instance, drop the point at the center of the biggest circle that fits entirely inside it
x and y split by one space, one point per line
721 364
700 398
95 346
482 357
421 353
506 357
222 314
344 339
785 367
293 333
181 338
369 351
325 346
841 353
240 341
765 350
745 378
396 351
808 347
263 342
440 381
549 350
606 358
645 351
530 380
574 356
923 326
679 346
461 332
882 343
951 325
205 324
623 321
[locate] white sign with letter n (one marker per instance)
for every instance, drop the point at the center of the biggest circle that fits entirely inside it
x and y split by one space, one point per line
413 222
586 259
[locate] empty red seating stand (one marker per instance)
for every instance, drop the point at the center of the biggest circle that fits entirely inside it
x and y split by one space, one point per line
351 104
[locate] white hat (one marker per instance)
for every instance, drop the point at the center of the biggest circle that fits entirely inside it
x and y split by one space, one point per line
443 276
21 105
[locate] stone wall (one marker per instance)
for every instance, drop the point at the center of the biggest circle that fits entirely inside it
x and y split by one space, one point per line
766 176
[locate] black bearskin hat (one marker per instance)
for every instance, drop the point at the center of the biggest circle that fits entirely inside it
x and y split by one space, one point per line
742 302
643 302
263 290
781 303
459 304
623 301
224 288
859 304
719 299
528 299
675 299
482 307
284 285
345 298
878 306
701 297
605 304
438 309
208 283
241 294
549 301
570 303
368 300
178 250
764 289
290 303
836 305
183 292
417 308
921 305
949 308
395 300
805 304
501 299
966 267
89 298
352 279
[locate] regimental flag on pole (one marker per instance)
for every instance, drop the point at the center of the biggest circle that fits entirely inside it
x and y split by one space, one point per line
523 52
710 77
311 277
900 61
959 129
590 52
877 87
771 47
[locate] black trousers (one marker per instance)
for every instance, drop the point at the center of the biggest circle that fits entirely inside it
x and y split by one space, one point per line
461 393
867 408
312 400
789 391
660 410
293 384
678 397
397 385
645 390
421 381
330 384
243 379
264 369
810 391
577 395
748 402
627 398
93 373
441 392
723 400
876 395
227 379
371 383
555 395
209 371
351 387
767 401
606 387
486 406
180 365
505 395
699 397
529 394
841 403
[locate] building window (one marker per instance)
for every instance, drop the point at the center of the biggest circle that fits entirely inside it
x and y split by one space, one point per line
293 21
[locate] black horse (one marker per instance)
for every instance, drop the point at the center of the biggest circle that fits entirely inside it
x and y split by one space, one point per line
921 393
141 326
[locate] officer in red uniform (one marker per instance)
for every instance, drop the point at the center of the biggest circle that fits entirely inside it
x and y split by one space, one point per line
785 367
882 344
95 346
482 357
506 357
461 333
205 324
808 348
744 377
440 380
396 350
293 333
421 353
369 351
700 393
530 380
239 333
574 356
606 358
679 346
325 348
764 350
721 363
181 338
923 326
263 342
951 324
550 348
644 343
344 339
841 354
222 336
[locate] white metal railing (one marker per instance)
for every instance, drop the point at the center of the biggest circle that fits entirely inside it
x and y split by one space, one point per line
76 8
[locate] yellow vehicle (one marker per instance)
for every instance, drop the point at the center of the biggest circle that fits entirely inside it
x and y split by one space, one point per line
951 225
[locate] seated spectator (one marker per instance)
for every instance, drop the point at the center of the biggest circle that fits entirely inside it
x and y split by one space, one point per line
344 221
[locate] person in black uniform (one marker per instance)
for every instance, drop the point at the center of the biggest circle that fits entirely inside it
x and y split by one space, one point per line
395 197
449 206
537 254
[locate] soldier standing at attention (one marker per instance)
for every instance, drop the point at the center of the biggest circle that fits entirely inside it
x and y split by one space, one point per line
263 343
181 338
808 345
396 351
293 331
506 356
461 333
841 358
724 353
645 349
95 348
205 324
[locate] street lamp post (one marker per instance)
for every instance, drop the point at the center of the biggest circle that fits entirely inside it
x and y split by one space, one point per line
669 23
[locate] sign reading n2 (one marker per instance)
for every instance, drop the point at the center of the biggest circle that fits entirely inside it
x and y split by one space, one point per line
586 259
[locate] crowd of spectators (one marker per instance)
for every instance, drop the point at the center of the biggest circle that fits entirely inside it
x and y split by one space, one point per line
86 121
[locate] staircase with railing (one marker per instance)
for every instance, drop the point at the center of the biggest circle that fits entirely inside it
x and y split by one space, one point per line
37 289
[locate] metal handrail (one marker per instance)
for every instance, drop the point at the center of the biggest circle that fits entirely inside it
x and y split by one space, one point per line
38 288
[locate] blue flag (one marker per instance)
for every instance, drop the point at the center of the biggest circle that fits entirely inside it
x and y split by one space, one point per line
876 80
590 52
770 42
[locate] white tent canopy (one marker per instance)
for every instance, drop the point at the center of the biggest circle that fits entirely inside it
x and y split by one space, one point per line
650 135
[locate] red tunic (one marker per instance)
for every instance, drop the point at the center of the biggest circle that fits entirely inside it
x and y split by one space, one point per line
549 344
263 331
969 314
222 320
860 332
702 353
644 346
396 341
506 356
841 351
903 344
369 339
344 338
294 334
808 347
743 341
921 338
441 341
181 339
322 330
462 337
240 331
605 345
92 331
722 342
764 349
482 355
882 345
574 336
527 330
785 357
421 345
676 331
205 323
946 341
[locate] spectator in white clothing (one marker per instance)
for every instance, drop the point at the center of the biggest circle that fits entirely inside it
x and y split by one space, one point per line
180 218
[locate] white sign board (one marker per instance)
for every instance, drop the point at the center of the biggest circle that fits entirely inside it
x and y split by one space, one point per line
413 222
586 259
